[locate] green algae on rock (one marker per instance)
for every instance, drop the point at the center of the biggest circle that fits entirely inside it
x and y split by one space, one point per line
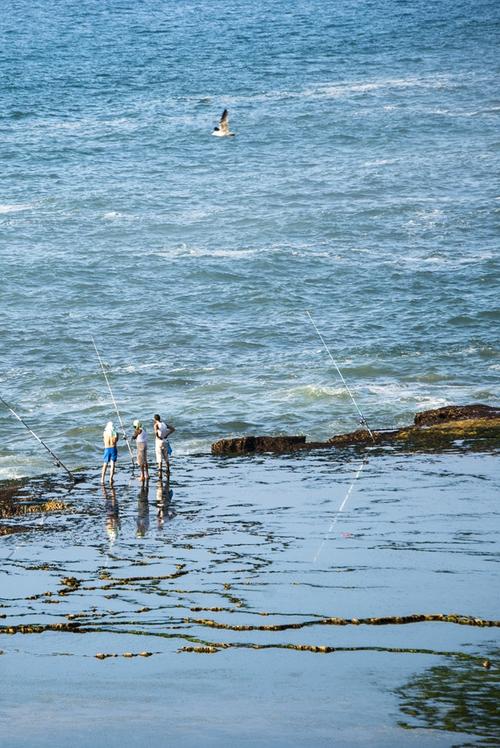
30 496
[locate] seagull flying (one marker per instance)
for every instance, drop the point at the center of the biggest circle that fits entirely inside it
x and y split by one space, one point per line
223 130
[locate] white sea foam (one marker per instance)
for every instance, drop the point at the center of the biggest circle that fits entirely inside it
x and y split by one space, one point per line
463 112
394 392
15 207
134 368
199 370
380 162
343 89
191 446
10 473
184 251
427 218
295 249
113 215
438 262
429 403
312 392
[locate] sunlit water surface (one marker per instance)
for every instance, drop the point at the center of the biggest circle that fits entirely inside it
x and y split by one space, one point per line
225 578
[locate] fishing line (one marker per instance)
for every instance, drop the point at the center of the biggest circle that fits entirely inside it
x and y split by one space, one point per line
340 509
54 457
114 402
363 419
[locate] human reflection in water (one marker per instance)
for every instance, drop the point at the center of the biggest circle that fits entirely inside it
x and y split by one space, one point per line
143 511
112 513
164 508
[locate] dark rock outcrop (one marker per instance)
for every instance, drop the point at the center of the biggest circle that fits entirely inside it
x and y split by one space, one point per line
455 413
433 429
248 444
362 437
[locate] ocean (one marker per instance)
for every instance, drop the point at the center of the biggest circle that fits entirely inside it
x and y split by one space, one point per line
361 186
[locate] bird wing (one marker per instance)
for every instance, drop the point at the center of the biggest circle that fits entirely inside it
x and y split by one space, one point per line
224 122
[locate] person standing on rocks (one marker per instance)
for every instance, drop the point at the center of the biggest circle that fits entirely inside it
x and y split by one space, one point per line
163 449
141 439
110 438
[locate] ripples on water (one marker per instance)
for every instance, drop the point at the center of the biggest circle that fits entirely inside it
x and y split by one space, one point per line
359 187
254 556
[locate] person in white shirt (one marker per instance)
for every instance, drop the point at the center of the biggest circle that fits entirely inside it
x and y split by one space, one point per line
141 439
162 447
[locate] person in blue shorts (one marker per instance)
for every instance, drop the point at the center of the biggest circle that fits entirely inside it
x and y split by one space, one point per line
110 438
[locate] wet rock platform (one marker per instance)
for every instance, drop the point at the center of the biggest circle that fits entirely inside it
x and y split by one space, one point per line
30 498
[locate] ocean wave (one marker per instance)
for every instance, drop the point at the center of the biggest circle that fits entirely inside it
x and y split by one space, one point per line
290 249
15 207
463 112
312 392
440 261
191 446
357 87
113 215
134 368
427 219
191 371
380 162
395 392
185 251
343 89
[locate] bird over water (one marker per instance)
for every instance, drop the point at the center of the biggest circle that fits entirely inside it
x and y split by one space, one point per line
223 130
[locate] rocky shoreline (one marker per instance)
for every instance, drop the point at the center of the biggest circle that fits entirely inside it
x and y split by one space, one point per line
475 425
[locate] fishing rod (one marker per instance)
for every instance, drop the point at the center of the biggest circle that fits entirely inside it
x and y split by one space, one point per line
54 457
340 509
114 403
363 419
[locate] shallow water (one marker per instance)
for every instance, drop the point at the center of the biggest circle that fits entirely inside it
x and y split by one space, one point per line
276 545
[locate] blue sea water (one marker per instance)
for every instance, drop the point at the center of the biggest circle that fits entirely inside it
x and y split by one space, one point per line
362 185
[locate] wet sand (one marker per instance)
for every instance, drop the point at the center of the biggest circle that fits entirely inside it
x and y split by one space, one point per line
262 603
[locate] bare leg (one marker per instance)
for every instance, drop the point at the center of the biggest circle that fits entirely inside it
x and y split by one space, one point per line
112 471
103 471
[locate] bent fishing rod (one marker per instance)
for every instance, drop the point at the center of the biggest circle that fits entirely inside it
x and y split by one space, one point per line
114 403
56 459
363 419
